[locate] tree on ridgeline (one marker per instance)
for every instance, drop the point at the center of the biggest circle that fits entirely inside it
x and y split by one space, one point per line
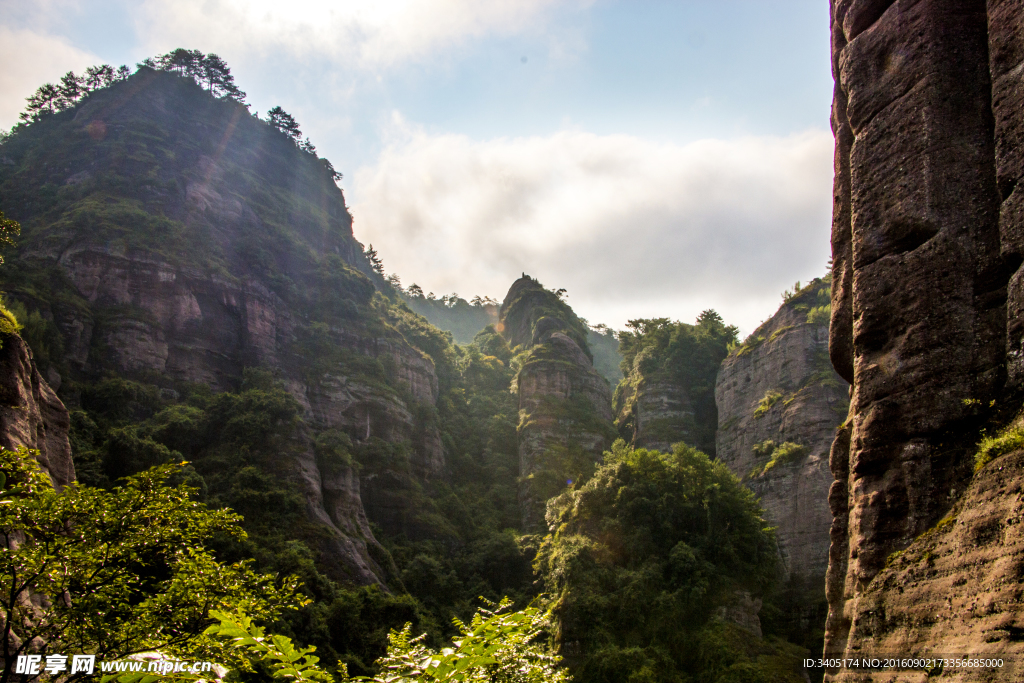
50 98
284 122
415 291
375 261
330 169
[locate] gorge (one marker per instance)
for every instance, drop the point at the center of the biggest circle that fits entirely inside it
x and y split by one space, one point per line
189 289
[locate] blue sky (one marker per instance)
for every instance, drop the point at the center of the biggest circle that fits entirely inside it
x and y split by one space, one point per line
653 158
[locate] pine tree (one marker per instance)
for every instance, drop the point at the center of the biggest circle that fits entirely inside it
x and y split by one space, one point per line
97 77
283 121
43 101
375 261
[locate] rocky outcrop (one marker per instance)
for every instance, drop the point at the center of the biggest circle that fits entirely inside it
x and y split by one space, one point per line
926 314
956 588
565 417
660 414
779 388
31 415
217 245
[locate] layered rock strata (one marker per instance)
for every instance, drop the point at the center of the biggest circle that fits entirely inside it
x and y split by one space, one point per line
565 416
190 240
779 388
926 312
31 415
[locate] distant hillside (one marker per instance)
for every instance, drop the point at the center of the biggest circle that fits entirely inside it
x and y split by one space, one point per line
465 319
454 314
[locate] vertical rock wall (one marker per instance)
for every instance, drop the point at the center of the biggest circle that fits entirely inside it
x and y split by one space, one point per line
787 357
926 318
31 415
565 414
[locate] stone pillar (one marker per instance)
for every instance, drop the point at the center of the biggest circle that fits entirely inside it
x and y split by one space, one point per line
918 281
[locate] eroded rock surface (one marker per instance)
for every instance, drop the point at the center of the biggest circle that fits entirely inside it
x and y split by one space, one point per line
926 315
565 415
779 388
956 589
31 415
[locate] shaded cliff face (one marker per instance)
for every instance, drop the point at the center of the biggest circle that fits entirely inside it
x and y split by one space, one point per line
31 415
779 403
926 298
957 586
667 395
173 238
565 418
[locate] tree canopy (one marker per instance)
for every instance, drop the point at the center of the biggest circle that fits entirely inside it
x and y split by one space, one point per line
117 572
641 557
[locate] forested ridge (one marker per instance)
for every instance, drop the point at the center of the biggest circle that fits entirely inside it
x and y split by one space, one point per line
188 280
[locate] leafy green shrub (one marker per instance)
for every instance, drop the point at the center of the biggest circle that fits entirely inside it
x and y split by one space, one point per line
137 565
498 645
785 453
1006 441
770 398
8 321
820 315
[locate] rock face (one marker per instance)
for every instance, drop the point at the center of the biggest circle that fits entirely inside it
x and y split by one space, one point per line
31 415
927 291
565 416
956 588
779 387
190 241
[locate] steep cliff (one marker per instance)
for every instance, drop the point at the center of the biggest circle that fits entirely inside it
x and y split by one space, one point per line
565 418
667 395
31 415
779 403
925 309
173 238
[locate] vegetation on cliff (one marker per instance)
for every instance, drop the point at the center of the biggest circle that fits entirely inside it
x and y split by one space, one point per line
676 359
135 174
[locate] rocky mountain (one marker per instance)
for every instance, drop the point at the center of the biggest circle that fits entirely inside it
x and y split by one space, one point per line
31 415
926 324
667 395
174 239
565 418
779 403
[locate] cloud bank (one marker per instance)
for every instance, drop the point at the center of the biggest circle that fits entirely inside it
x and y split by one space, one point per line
376 34
30 59
631 228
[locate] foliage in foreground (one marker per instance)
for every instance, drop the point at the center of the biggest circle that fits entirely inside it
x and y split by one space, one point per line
498 645
640 560
119 572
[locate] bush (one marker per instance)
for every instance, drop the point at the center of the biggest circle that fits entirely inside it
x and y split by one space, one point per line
1006 441
770 398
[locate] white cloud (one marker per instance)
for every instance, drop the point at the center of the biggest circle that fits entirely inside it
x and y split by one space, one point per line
630 227
31 59
374 34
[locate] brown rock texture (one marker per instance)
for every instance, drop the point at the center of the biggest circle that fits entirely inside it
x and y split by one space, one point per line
956 590
662 414
786 357
214 246
926 303
565 414
31 415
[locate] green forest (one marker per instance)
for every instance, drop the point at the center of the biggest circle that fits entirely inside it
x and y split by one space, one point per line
191 528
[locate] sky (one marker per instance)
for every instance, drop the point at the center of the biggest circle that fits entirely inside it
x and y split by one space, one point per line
653 158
